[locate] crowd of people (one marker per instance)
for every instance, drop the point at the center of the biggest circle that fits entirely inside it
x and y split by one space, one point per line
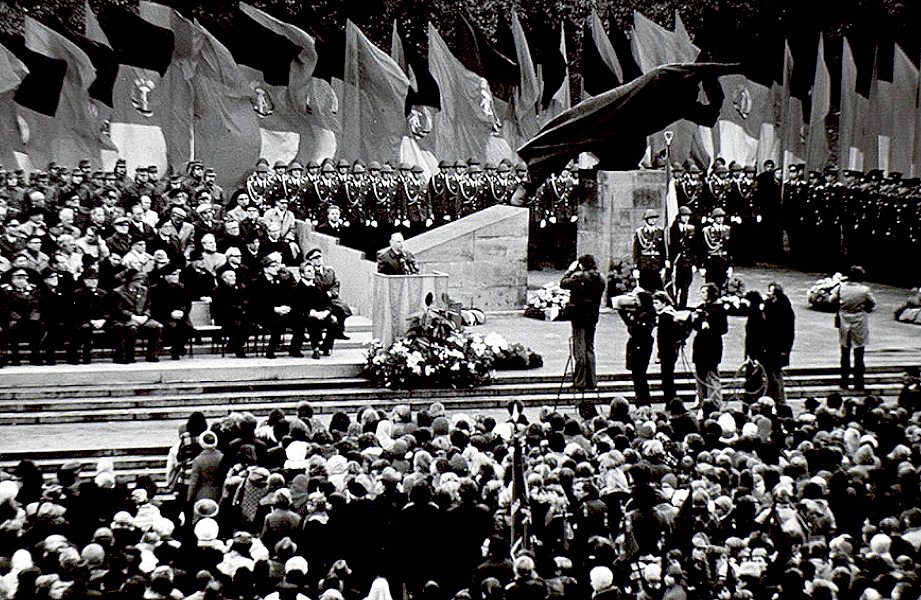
749 501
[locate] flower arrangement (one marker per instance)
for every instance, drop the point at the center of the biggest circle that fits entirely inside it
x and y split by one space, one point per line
820 296
546 303
436 352
733 292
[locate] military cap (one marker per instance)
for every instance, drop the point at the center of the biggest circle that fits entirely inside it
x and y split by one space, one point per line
374 166
210 171
489 166
138 238
521 167
328 168
280 164
262 161
720 169
749 169
121 221
295 166
852 173
313 165
359 168
343 164
459 164
417 169
313 252
830 169
196 163
140 169
120 161
504 168
175 179
76 171
85 162
693 168
718 212
474 168
472 161
684 210
650 213
386 168
404 166
443 164
734 167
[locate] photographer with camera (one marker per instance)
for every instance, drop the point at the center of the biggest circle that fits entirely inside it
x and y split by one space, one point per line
671 333
585 287
710 323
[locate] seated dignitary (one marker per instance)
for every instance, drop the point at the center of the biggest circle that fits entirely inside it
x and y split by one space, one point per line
170 305
328 282
314 313
131 316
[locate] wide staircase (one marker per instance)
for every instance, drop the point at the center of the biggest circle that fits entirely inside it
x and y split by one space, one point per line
132 413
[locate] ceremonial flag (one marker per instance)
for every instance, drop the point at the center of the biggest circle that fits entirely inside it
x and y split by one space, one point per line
478 55
12 72
601 69
878 130
528 87
75 130
423 89
101 56
916 146
467 118
152 116
904 102
791 137
520 512
374 95
554 73
846 123
397 53
817 152
134 40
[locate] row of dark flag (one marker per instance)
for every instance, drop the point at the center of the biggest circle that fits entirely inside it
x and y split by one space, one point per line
157 88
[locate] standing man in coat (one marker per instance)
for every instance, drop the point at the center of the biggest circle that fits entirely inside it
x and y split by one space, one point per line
585 287
710 324
855 303
204 476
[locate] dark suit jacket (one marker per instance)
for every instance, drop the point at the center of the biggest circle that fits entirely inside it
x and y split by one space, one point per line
389 263
204 481
124 304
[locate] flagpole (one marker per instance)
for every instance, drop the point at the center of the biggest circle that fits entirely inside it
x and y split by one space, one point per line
669 272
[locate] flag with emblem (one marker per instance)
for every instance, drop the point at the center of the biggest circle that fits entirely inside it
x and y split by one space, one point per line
12 72
152 113
73 128
225 111
467 117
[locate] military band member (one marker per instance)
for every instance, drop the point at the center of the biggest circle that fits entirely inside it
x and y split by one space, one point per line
471 184
649 252
416 208
440 193
352 195
320 193
286 186
690 191
682 249
715 249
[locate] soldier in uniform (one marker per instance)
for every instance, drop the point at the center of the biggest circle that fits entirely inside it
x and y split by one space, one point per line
690 191
415 206
319 193
649 253
209 184
501 187
258 183
716 250
279 170
717 190
471 184
682 248
380 200
795 192
287 186
440 194
352 197
20 300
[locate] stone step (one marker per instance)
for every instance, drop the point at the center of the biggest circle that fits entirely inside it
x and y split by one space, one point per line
324 393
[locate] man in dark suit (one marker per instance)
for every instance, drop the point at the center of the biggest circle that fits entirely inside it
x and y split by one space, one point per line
130 315
170 305
328 282
395 260
271 305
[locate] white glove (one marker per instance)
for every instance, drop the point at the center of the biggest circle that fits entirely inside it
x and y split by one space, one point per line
636 274
543 223
758 218
553 219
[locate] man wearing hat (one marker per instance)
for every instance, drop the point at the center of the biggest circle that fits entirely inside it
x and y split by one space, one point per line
682 248
137 257
442 193
131 317
327 281
855 303
170 305
205 221
210 185
381 190
120 241
413 201
177 229
649 252
716 250
690 191
55 303
287 186
259 182
351 200
195 176
471 190
92 312
271 305
24 319
140 186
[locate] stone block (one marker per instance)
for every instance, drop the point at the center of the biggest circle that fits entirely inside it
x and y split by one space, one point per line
454 249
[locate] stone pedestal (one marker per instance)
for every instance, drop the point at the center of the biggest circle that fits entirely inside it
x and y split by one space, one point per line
611 212
486 255
396 297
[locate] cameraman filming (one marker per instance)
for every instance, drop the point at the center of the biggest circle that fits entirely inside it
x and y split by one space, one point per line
585 287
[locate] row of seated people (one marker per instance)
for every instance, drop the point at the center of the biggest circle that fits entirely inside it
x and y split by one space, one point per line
747 502
51 310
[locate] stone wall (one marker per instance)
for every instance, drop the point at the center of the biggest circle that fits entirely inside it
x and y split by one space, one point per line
611 209
485 254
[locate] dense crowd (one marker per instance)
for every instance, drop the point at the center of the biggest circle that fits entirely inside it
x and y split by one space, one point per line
751 502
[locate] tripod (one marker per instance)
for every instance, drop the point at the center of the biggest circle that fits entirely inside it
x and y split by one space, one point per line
570 361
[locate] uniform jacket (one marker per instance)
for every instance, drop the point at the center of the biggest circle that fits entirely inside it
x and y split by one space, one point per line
649 248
